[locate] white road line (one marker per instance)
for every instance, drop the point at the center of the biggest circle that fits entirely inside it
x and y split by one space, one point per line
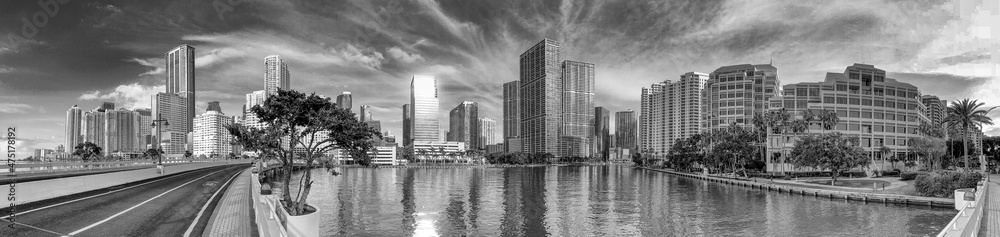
85 198
140 204
196 218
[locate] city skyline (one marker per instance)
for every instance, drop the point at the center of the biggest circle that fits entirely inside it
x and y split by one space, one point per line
121 64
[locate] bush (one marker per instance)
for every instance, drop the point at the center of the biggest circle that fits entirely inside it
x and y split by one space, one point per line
943 183
909 175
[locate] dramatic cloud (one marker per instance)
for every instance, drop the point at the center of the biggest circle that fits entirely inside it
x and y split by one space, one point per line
127 96
402 56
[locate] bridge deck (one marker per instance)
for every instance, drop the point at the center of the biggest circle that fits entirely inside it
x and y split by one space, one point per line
991 215
232 215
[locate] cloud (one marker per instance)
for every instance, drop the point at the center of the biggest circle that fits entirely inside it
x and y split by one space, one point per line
127 96
363 56
402 56
967 57
216 56
6 69
12 108
156 63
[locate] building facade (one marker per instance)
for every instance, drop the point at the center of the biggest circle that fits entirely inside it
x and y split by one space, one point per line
211 138
122 129
179 72
464 124
602 133
407 124
366 113
276 75
937 109
577 109
733 94
93 127
424 112
671 111
345 100
487 132
171 107
511 118
74 120
540 97
626 130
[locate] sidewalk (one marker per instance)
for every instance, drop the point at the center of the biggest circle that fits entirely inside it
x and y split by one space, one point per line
991 214
232 216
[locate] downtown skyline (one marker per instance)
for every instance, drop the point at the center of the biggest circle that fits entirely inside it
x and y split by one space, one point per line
471 55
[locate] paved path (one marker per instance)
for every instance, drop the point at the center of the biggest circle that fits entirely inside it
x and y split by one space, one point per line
991 216
232 215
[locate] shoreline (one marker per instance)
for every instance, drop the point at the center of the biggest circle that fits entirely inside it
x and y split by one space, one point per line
825 193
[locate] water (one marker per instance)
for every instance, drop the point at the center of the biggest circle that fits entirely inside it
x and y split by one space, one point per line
588 201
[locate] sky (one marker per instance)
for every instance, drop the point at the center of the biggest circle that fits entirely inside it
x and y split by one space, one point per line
56 55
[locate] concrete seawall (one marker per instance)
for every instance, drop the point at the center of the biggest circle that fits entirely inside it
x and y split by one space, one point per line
822 193
50 188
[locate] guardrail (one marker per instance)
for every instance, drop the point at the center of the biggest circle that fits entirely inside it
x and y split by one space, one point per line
266 207
53 167
968 221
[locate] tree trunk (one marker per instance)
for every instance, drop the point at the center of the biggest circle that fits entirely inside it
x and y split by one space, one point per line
965 147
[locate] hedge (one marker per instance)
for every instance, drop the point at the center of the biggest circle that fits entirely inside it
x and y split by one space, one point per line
943 183
909 175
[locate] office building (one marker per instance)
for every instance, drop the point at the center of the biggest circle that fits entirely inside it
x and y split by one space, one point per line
407 124
344 101
733 94
625 130
541 97
171 107
880 111
602 133
671 111
577 109
487 132
464 124
74 120
276 75
425 124
511 118
210 136
180 76
366 113
428 151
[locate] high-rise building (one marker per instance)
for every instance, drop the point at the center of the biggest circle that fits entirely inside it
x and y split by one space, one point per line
181 78
107 105
93 128
210 136
733 94
671 111
74 120
577 109
937 109
377 125
407 124
145 130
214 106
511 118
602 132
625 129
487 130
344 100
541 97
464 124
276 75
122 129
879 111
424 112
366 113
171 107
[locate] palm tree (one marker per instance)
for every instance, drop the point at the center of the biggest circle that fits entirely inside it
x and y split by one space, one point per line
885 151
808 116
423 155
967 114
781 123
828 119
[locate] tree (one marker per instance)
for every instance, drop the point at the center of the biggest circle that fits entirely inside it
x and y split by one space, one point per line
685 152
87 151
829 151
734 148
885 151
407 154
295 120
187 154
828 119
967 115
423 154
991 148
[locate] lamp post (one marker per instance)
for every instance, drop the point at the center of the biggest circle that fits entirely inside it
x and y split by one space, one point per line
159 138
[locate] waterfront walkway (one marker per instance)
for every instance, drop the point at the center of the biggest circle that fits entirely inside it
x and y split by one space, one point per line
232 216
991 217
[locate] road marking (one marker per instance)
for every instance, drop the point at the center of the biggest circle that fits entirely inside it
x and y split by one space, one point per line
34 227
196 218
140 204
85 198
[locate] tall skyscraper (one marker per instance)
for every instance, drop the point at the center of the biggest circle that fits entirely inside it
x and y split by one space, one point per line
214 106
107 105
407 124
511 118
424 112
276 75
602 133
344 100
577 109
171 107
733 94
74 119
937 109
541 97
464 124
93 128
487 130
625 130
671 111
366 113
145 130
181 78
122 131
210 135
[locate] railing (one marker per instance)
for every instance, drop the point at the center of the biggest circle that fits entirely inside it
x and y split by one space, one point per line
266 208
969 219
51 167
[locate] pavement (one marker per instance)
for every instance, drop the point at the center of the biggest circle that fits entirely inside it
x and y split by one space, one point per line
165 206
991 216
232 216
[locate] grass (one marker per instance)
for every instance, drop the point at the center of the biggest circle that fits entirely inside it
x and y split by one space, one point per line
852 183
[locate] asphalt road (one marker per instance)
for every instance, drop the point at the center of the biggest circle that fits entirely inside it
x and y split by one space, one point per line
165 206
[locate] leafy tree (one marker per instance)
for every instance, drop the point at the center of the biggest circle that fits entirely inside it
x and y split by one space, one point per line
407 154
931 149
187 154
637 159
830 151
87 151
886 152
735 147
685 153
967 115
991 148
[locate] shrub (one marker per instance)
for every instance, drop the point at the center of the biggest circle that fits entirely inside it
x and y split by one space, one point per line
909 175
943 183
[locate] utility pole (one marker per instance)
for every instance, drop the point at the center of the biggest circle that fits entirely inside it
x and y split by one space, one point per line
159 138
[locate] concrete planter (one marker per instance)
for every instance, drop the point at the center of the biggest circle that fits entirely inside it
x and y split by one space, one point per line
305 225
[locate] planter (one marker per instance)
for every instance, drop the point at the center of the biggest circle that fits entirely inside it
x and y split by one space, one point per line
302 226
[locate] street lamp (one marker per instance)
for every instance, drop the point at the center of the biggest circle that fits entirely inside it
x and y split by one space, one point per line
159 134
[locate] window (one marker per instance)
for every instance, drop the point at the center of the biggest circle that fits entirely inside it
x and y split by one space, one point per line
879 103
911 106
829 100
854 127
854 76
855 114
879 115
879 128
890 129
867 142
890 92
866 129
790 104
769 90
879 91
891 142
879 78
867 102
758 89
901 142
842 127
841 87
879 142
842 100
901 129
801 104
866 115
813 91
901 117
855 101
853 89
842 113
801 91
890 116
890 104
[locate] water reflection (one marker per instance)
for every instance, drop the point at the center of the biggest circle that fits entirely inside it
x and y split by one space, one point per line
587 201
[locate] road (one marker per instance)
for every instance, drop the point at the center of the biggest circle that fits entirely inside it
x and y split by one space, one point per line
166 206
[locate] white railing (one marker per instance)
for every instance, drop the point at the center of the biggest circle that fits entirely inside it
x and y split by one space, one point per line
968 221
266 208
52 167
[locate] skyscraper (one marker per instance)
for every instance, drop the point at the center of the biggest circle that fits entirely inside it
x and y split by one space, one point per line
511 118
366 113
424 112
122 129
625 130
171 107
671 111
210 135
93 127
540 97
407 124
487 130
181 78
344 100
602 133
577 109
937 109
107 105
74 118
145 131
464 124
733 94
214 106
276 75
